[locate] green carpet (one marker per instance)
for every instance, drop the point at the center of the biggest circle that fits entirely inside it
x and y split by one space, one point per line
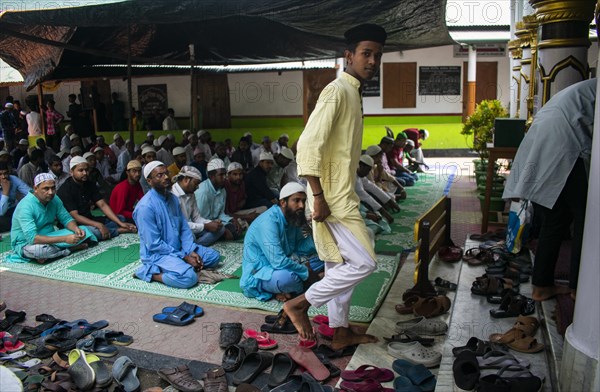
112 263
420 197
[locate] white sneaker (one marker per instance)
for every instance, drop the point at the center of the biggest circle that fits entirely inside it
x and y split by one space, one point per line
416 353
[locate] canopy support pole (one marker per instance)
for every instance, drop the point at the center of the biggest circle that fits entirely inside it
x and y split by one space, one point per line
129 93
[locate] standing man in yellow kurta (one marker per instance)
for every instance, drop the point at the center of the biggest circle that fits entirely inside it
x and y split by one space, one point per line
329 150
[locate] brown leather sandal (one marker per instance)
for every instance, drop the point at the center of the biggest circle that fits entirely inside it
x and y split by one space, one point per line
409 303
527 344
432 306
523 327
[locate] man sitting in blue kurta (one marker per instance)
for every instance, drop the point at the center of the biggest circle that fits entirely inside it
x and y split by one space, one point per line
275 249
33 235
167 248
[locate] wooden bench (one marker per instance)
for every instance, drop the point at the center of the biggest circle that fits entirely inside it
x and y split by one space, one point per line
432 231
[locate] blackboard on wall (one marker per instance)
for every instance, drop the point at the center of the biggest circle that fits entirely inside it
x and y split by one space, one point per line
443 80
152 97
371 88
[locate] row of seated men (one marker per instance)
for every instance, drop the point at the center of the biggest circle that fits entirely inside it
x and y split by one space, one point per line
184 212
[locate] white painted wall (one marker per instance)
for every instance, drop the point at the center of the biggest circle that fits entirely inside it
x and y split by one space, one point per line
271 94
266 93
60 93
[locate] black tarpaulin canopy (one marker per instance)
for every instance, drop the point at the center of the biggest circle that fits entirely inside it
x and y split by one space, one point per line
61 43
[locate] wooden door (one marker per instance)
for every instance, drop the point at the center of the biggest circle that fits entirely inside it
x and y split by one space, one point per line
101 101
400 85
314 81
486 86
212 106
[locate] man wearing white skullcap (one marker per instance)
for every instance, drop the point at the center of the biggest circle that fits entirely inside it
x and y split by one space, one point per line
206 231
180 161
123 159
148 155
164 152
415 156
108 152
211 199
327 155
276 177
79 193
191 147
379 176
370 194
128 192
118 145
221 153
265 147
236 195
204 139
257 189
167 248
278 258
33 235
281 142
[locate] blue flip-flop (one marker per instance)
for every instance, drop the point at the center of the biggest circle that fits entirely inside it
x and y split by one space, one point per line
178 317
192 309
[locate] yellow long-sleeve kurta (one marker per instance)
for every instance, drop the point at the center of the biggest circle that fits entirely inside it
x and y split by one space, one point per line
330 148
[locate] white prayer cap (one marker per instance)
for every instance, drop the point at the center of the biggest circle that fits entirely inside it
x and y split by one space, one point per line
186 132
234 166
146 150
88 154
75 150
151 166
43 177
156 143
373 150
61 154
284 136
290 188
215 164
189 171
265 156
161 139
178 151
116 136
149 134
425 133
189 138
3 152
144 145
247 134
410 143
97 149
8 105
76 161
23 112
367 160
68 127
73 136
201 132
170 136
127 141
24 142
286 152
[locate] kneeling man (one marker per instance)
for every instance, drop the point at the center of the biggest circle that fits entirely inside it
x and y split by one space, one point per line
33 235
167 248
273 242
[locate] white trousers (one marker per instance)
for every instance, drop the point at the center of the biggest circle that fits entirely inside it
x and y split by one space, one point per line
336 287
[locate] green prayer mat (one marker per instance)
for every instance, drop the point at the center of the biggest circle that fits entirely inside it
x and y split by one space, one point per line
420 198
112 264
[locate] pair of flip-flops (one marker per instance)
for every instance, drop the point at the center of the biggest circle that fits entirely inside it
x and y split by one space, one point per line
264 340
181 315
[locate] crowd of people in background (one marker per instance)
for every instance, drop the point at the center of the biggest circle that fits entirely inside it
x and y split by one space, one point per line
221 188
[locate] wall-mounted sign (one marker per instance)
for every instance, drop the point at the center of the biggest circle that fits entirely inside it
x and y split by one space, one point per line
152 97
485 50
371 88
444 80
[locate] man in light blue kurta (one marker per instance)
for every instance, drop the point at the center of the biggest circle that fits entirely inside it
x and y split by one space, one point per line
211 197
33 235
167 248
272 247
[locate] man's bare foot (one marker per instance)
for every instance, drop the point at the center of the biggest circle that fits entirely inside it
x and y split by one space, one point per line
297 311
547 292
81 246
283 297
344 337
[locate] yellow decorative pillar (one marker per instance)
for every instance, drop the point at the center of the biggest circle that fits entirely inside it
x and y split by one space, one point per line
524 41
563 43
514 47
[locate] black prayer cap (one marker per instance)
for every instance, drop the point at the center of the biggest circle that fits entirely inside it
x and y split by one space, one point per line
366 32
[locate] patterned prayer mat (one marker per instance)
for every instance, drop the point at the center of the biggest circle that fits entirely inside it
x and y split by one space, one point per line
112 264
420 197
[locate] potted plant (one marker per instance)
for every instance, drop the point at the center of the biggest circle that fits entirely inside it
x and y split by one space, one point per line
480 125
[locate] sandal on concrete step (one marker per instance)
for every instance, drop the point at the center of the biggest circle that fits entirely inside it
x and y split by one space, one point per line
422 326
408 337
231 333
524 380
415 353
479 347
499 360
526 344
178 318
432 306
192 309
181 378
80 370
215 380
419 375
125 374
523 326
97 346
445 284
466 370
513 306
